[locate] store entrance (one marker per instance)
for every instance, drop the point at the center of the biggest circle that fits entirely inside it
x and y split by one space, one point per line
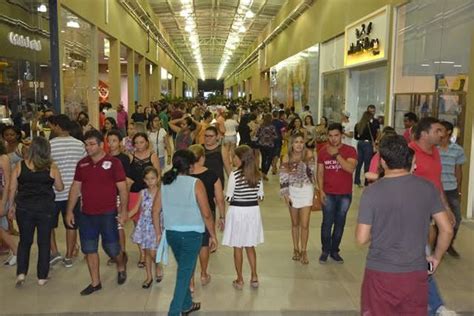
366 86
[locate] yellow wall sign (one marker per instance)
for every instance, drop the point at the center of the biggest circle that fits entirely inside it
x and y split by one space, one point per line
366 40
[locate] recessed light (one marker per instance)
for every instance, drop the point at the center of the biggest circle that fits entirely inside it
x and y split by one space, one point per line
42 8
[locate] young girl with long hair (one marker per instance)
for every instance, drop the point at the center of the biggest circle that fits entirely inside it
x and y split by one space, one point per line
296 186
144 234
243 224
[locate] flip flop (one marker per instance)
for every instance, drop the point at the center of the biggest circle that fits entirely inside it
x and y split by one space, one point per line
194 307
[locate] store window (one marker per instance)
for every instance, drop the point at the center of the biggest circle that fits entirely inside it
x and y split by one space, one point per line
76 40
25 66
334 95
432 60
295 81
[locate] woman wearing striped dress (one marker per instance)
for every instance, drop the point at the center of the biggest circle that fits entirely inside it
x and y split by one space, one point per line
243 224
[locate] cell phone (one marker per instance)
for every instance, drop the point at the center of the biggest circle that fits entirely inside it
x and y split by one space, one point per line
430 267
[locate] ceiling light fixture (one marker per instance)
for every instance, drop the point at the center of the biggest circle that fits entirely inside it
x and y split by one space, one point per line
73 24
457 66
233 39
425 65
42 8
187 12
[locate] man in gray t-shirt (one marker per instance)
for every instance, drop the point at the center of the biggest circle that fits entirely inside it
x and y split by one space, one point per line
394 215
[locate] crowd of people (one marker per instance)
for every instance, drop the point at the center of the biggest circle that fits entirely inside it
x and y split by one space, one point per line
171 168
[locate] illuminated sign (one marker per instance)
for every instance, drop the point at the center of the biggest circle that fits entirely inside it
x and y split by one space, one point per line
24 41
364 43
366 40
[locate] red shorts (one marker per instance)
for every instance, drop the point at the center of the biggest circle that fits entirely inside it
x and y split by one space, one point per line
386 294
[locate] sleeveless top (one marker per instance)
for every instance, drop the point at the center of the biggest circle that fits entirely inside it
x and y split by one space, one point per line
214 161
183 141
180 207
35 190
209 178
137 166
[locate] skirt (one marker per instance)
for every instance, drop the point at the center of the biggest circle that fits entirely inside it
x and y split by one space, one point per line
243 227
302 197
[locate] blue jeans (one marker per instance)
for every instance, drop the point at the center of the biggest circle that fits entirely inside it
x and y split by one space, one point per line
365 152
91 227
334 214
185 247
434 297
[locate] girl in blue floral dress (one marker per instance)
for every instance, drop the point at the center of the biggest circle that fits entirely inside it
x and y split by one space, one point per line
144 233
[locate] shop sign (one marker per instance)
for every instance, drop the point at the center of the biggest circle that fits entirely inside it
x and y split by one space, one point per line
364 43
24 41
365 40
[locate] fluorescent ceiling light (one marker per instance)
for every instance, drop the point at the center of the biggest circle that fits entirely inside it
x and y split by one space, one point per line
425 65
42 8
73 24
249 14
245 2
188 28
447 62
313 49
457 66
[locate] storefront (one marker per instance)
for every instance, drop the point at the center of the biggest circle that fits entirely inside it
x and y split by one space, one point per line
294 81
433 49
25 66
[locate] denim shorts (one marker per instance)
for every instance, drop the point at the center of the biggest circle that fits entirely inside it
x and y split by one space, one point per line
60 207
105 226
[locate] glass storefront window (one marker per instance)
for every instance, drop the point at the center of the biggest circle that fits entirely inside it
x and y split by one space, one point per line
77 69
25 75
432 59
333 98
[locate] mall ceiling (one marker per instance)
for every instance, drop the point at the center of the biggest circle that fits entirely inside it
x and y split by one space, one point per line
213 35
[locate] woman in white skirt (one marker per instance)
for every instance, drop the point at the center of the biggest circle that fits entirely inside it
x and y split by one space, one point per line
243 224
297 175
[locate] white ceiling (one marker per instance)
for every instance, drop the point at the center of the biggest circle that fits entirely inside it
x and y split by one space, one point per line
214 19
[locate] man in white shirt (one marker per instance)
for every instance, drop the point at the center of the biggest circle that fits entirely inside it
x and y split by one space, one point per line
348 128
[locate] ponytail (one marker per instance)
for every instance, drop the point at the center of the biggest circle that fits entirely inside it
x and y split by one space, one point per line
182 162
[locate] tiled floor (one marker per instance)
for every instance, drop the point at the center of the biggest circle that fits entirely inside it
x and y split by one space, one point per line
287 287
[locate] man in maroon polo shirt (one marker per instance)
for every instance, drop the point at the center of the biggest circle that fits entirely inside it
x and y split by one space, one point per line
98 177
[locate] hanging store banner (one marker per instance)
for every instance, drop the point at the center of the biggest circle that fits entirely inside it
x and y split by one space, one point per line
366 40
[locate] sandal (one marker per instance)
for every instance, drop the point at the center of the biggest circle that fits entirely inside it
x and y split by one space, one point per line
141 264
304 257
254 284
147 284
159 278
296 255
194 307
238 285
205 280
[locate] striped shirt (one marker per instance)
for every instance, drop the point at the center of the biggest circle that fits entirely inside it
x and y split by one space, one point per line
239 193
452 156
66 152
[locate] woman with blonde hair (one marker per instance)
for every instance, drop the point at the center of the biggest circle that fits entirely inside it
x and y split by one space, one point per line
243 225
297 175
215 196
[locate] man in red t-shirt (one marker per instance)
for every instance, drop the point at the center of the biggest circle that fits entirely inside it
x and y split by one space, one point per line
97 179
336 163
427 134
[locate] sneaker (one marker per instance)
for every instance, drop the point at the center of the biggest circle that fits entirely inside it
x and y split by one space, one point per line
323 258
336 257
42 282
452 252
11 261
67 262
443 311
91 289
55 258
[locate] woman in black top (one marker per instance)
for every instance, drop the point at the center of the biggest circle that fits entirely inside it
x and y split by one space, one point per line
215 156
215 196
365 132
32 201
142 157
